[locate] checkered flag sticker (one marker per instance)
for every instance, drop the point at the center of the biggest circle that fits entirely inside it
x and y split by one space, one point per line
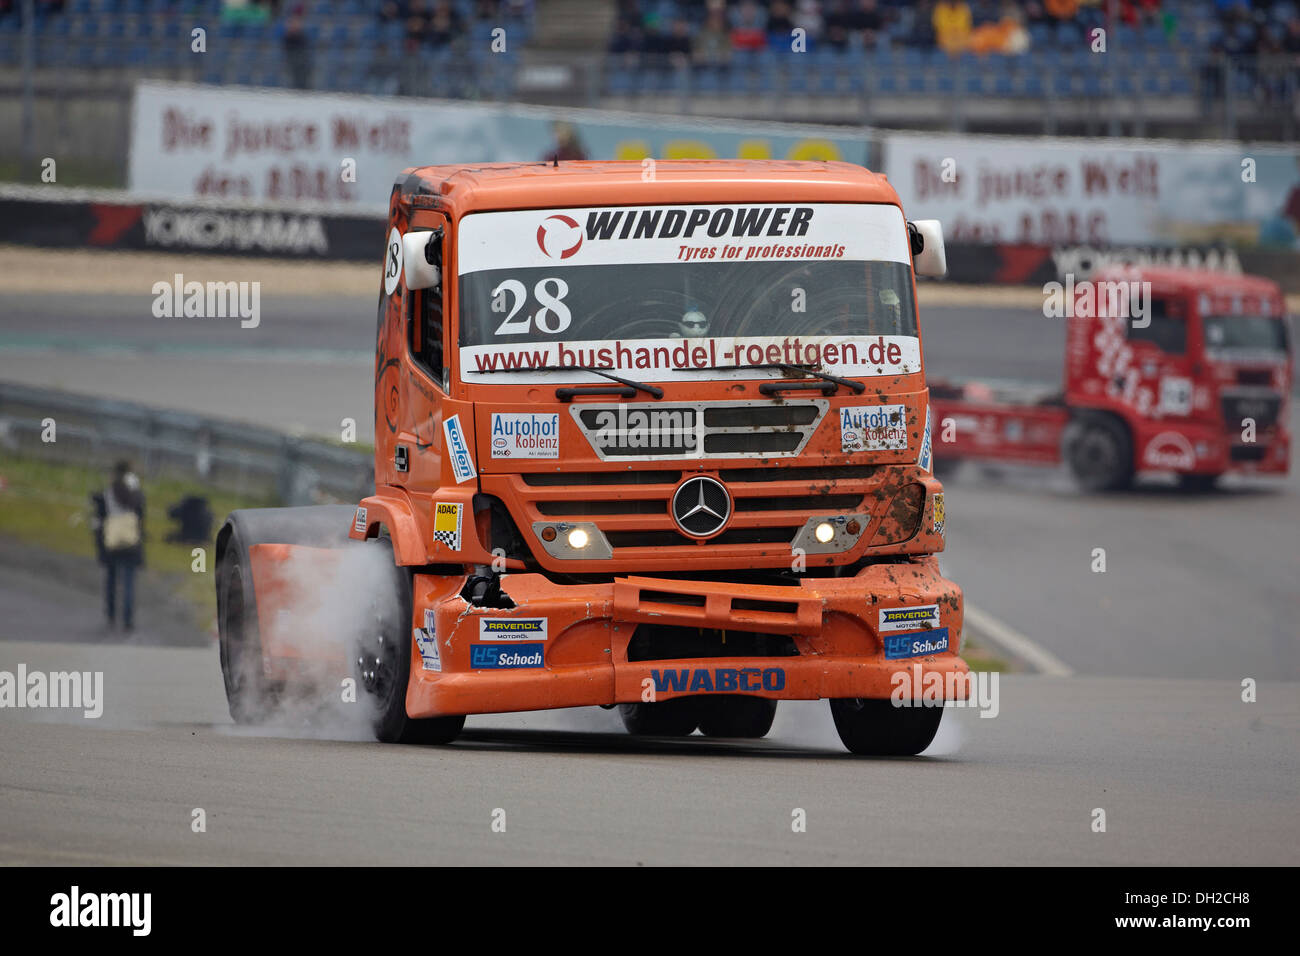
446 523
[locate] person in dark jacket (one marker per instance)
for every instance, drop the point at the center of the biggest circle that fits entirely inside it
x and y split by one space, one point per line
119 540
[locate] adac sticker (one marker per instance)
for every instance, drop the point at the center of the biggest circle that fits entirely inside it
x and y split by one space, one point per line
462 462
512 629
923 459
359 523
446 523
392 261
909 618
916 645
426 640
507 657
938 513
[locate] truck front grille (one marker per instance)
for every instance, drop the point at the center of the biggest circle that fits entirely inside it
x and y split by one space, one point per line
632 508
658 431
1263 407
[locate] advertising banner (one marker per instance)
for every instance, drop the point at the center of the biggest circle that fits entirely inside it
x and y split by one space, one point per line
270 145
1098 192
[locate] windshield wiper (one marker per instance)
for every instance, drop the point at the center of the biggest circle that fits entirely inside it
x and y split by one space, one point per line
857 387
654 391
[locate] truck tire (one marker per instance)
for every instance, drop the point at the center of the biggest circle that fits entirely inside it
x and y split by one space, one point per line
249 694
736 715
669 718
876 728
1198 483
383 664
1099 452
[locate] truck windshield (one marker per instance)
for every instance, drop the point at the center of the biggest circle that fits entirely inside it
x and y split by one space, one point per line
1254 332
659 296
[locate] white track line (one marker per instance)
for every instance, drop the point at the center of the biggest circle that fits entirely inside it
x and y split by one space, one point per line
1008 639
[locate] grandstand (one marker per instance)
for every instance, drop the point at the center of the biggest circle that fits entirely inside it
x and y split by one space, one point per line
1010 65
440 48
1193 68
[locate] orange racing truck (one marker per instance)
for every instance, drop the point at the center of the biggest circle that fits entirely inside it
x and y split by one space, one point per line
650 440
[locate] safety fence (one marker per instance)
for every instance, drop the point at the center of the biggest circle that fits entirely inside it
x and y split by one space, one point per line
246 459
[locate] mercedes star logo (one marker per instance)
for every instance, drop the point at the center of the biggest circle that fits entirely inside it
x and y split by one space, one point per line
701 506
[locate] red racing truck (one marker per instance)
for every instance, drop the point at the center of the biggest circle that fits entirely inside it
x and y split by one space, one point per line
659 442
1168 370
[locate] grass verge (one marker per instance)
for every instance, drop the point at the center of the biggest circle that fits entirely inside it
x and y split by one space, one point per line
47 505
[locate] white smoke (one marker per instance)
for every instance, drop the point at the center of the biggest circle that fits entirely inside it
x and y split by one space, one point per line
331 600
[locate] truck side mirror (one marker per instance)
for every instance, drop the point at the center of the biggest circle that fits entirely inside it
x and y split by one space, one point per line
422 255
928 255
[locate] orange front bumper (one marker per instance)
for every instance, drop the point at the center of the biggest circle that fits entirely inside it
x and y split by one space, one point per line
567 645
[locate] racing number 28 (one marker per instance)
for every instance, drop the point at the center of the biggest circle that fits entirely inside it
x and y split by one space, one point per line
552 317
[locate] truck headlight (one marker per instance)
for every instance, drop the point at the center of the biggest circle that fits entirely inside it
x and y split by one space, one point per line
828 534
573 540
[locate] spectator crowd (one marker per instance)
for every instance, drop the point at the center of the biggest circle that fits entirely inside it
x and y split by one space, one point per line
709 32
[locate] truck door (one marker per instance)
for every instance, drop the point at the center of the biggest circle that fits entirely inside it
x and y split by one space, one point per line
426 386
1159 381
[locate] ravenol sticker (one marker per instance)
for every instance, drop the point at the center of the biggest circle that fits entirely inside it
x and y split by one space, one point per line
512 629
873 427
495 657
923 459
359 523
938 513
462 462
446 523
917 645
426 640
525 435
909 618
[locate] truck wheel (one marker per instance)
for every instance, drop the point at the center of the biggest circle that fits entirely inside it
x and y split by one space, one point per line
249 694
1100 453
736 715
669 718
872 727
1201 483
383 664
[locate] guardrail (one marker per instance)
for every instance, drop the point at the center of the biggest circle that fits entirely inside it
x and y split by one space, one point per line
230 456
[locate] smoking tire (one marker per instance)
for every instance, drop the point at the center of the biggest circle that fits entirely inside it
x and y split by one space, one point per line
669 718
1099 452
876 728
249 694
382 660
736 715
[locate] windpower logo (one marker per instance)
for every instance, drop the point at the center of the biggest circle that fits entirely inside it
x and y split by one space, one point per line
559 236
